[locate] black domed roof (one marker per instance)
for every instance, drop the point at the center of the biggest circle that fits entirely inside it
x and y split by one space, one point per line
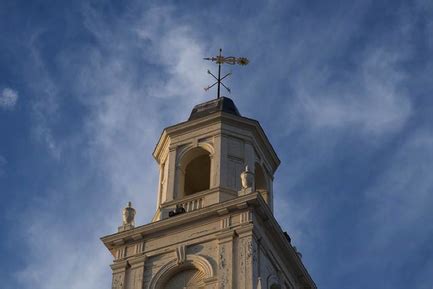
223 104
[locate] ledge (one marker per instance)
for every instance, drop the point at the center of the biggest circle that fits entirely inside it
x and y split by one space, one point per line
253 200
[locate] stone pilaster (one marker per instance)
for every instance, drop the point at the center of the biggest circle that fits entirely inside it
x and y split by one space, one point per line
119 274
137 272
246 257
225 260
169 194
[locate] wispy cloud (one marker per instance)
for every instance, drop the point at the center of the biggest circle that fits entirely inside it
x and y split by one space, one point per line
372 102
81 257
8 98
45 100
128 105
126 109
135 70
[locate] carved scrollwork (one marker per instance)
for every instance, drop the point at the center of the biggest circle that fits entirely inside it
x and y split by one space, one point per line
117 281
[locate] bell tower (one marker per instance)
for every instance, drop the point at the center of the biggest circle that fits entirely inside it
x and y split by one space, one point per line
213 226
201 160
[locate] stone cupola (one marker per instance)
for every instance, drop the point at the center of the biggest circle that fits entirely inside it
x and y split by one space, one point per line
201 160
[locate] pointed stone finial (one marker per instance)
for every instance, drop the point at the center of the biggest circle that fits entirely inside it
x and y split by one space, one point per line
259 283
128 216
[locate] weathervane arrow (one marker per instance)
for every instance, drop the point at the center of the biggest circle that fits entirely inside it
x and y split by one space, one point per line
219 59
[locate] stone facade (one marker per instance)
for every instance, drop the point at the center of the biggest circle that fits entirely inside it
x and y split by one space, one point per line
210 231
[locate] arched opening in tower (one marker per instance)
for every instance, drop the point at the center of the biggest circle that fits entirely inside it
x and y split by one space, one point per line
260 179
197 174
260 182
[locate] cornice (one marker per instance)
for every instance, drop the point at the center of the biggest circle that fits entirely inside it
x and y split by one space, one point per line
140 232
223 117
253 200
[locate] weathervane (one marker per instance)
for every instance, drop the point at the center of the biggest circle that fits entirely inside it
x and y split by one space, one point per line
221 60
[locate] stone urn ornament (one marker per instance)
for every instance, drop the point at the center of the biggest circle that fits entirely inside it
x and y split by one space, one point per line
128 215
247 180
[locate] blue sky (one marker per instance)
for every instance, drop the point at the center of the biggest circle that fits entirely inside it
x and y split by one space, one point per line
342 88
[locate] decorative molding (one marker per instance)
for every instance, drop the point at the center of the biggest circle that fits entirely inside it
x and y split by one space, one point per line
119 266
115 240
245 230
172 267
242 205
118 281
181 254
183 150
222 266
245 217
139 248
226 236
137 261
119 270
121 253
223 211
226 222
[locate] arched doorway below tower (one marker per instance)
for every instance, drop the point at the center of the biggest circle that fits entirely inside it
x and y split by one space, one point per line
187 279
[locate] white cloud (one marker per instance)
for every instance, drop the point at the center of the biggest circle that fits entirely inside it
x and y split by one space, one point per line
45 99
127 107
126 113
8 98
371 102
329 80
126 110
63 256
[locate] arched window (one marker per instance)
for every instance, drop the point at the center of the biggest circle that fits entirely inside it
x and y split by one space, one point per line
197 175
196 171
261 182
260 179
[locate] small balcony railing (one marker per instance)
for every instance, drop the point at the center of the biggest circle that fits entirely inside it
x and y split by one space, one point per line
192 205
